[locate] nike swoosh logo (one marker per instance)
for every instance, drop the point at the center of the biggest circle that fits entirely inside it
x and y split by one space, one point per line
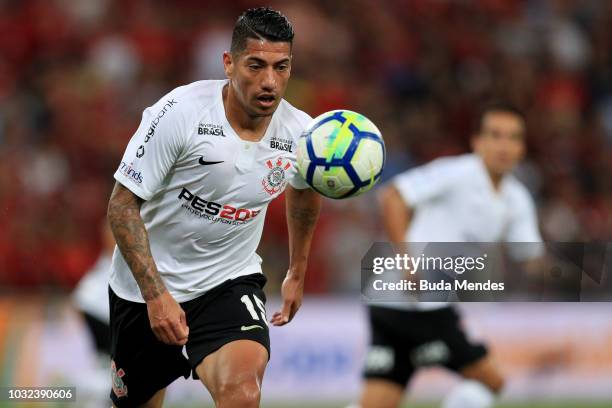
255 326
206 163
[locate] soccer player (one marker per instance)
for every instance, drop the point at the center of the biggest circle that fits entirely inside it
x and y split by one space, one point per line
187 213
467 198
90 298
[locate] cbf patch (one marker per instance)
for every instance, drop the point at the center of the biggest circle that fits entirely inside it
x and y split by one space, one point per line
119 387
276 179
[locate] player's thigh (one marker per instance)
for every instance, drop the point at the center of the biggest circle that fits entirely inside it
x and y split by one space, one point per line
379 393
141 365
233 311
468 358
387 367
157 401
237 368
486 371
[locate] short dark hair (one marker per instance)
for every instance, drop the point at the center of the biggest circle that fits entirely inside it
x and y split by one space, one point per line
500 106
261 23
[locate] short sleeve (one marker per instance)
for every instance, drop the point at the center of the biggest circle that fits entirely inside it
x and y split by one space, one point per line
524 228
154 148
303 120
427 182
297 181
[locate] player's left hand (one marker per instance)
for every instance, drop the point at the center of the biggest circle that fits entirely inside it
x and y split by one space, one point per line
292 292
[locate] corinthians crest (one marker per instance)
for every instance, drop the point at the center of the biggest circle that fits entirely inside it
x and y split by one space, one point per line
276 179
119 388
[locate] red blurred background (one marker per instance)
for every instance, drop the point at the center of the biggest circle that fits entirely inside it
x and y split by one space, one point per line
75 77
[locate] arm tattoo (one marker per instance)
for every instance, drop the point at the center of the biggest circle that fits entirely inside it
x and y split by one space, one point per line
133 241
302 214
306 217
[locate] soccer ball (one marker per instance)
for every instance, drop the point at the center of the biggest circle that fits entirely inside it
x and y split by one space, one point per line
341 154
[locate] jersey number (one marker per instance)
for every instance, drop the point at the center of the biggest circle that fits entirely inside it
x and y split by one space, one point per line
249 305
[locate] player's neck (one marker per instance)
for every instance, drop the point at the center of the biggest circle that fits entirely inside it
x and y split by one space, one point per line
247 127
496 179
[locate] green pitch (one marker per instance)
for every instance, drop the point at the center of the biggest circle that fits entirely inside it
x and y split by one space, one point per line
525 405
565 404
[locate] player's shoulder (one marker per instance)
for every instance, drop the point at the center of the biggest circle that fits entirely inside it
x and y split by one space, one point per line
467 162
458 166
444 172
517 193
190 99
199 94
293 117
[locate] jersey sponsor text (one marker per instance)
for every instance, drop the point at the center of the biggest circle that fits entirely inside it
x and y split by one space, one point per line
212 211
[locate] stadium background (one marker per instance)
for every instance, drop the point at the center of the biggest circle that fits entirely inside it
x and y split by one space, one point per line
76 75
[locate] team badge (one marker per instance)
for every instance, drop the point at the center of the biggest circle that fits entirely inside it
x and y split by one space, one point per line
119 388
276 179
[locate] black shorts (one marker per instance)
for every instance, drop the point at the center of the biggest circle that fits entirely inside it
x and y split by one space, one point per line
142 365
404 340
100 332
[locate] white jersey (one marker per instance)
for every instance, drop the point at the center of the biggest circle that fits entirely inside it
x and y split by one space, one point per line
91 294
206 190
453 200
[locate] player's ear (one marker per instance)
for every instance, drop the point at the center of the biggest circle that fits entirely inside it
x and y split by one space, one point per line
228 64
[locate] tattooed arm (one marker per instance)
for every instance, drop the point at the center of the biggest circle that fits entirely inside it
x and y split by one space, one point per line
133 241
302 213
165 314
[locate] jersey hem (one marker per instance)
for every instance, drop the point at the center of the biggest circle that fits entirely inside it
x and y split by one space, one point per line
180 298
125 182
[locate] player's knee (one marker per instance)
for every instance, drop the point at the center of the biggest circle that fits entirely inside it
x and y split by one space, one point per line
381 394
495 383
243 393
493 380
486 373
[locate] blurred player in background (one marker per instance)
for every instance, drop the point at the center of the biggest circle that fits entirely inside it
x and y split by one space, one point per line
91 294
468 198
91 300
187 213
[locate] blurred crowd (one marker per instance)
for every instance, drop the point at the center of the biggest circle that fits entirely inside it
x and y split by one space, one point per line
75 77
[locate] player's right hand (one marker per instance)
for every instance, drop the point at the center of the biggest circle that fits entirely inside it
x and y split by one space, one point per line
168 320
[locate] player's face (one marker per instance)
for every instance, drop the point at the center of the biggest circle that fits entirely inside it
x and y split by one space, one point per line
501 142
259 75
